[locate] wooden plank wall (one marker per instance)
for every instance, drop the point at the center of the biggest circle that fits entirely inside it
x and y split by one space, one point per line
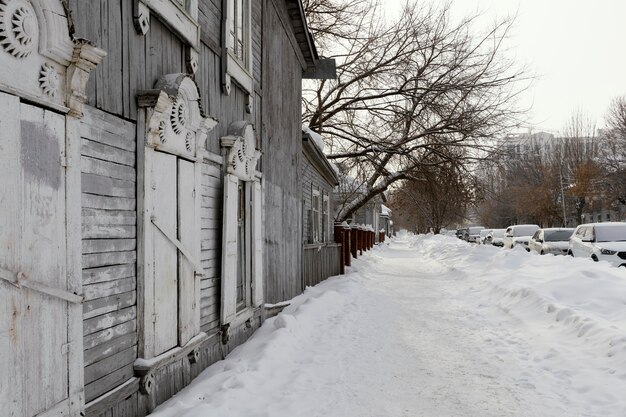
283 145
133 62
109 244
211 235
320 262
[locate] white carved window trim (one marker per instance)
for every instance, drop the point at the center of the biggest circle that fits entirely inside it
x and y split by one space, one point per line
236 69
240 159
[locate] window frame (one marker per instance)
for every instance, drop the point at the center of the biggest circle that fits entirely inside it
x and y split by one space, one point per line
181 19
234 68
315 216
325 217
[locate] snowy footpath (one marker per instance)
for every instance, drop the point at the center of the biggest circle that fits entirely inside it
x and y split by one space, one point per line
430 326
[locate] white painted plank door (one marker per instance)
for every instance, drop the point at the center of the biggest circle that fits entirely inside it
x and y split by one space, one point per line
34 334
188 307
257 244
165 255
229 249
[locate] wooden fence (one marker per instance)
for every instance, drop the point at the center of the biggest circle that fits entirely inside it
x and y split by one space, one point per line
320 262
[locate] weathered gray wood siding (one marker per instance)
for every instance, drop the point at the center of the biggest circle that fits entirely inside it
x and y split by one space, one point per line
133 62
282 145
109 244
211 235
313 180
231 108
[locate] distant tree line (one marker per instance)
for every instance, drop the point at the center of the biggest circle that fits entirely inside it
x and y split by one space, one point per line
583 171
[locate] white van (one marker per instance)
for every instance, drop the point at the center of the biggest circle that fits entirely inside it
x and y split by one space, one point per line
519 234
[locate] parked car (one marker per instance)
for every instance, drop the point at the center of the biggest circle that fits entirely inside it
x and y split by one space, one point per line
551 240
495 237
482 236
462 233
519 234
473 232
600 242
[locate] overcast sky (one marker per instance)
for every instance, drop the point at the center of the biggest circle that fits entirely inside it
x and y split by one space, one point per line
577 48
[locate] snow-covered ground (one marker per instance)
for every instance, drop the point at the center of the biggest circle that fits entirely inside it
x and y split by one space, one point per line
430 326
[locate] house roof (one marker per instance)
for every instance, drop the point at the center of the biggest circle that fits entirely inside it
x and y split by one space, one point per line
312 146
301 31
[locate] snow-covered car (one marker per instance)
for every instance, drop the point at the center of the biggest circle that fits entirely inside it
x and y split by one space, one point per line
553 240
495 237
519 234
473 232
482 236
600 242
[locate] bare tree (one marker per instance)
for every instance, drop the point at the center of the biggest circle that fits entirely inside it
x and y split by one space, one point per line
577 161
421 87
436 196
614 152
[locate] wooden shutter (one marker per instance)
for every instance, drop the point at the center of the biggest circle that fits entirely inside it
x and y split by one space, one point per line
165 255
229 248
37 320
187 306
257 244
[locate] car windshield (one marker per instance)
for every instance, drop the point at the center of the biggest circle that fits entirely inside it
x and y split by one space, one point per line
615 233
498 233
525 230
558 235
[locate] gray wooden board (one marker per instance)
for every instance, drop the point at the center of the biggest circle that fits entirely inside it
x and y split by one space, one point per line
108 245
110 348
108 382
108 258
107 202
91 231
108 273
112 363
96 184
108 217
108 320
108 153
108 288
107 169
114 302
105 335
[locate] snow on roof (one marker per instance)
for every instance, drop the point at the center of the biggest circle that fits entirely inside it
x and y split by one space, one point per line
316 137
384 210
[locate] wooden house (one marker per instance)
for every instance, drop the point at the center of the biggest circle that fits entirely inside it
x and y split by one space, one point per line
321 256
149 189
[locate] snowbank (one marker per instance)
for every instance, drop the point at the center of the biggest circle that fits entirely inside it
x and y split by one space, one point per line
433 326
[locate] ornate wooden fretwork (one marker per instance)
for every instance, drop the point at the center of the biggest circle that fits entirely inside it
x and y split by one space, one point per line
18 27
242 155
176 123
